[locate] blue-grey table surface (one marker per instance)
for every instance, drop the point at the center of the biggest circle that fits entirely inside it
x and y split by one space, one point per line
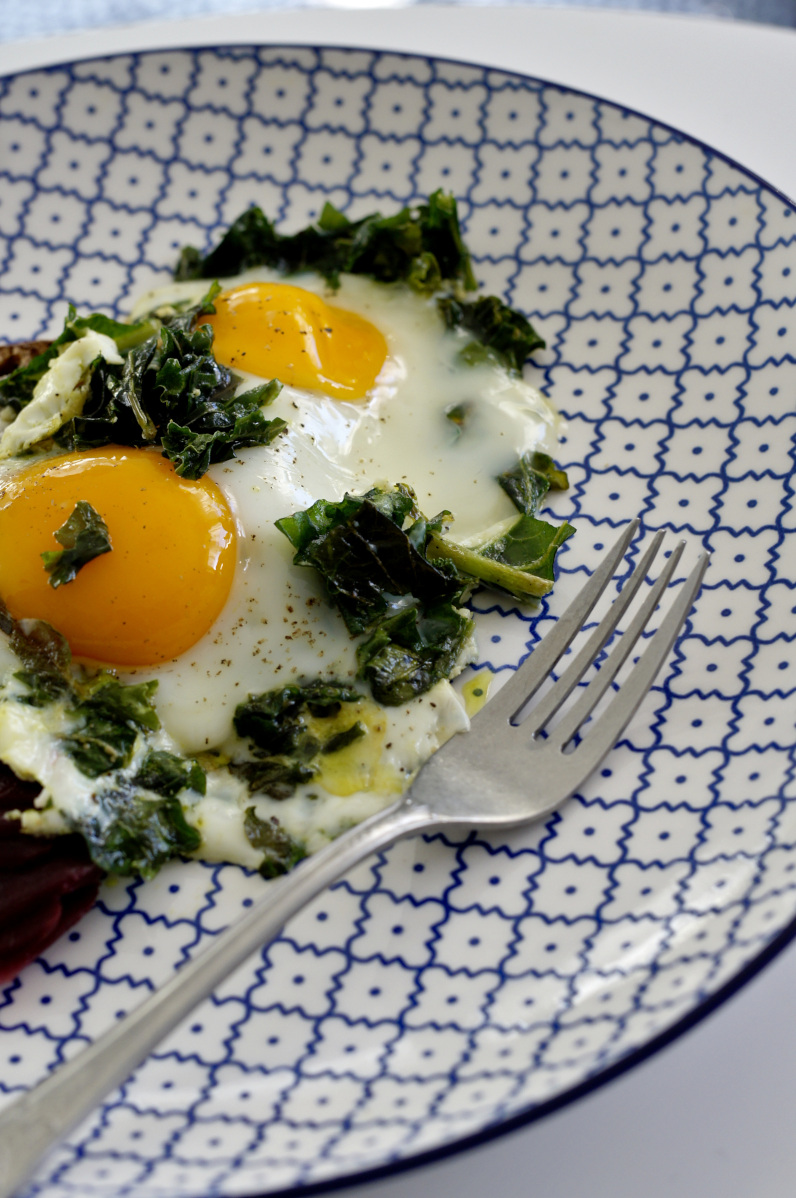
49 17
713 1114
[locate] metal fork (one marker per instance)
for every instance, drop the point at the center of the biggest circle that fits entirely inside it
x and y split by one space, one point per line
484 779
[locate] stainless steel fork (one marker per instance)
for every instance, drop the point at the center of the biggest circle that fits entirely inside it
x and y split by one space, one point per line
511 768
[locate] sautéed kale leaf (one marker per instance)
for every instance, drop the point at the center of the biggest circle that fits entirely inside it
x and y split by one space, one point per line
379 576
84 536
421 246
285 747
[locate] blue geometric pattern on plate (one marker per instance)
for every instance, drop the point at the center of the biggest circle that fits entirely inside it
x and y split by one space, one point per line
448 987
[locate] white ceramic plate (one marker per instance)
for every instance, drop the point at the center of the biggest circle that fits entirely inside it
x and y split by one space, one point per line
450 989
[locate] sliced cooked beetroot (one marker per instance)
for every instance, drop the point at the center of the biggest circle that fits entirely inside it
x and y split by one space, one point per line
46 883
20 354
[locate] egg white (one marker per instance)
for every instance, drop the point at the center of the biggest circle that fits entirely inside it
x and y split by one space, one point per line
277 627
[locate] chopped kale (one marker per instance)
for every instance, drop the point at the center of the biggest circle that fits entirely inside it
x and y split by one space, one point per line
284 746
371 567
40 690
276 777
44 655
129 833
500 332
16 389
341 740
167 774
409 652
84 536
382 581
527 483
519 561
280 851
421 246
110 717
171 391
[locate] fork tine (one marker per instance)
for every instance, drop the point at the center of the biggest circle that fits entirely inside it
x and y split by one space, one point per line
529 676
590 697
544 711
608 727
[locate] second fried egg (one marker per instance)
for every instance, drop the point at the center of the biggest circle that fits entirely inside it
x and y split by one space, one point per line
276 626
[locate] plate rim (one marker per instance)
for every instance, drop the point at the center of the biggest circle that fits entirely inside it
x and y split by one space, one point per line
787 934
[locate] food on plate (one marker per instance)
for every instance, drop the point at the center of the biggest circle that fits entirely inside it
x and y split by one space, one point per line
238 532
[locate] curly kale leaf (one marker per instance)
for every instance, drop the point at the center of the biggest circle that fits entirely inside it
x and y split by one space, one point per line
409 652
371 566
44 655
527 483
130 833
166 774
109 720
421 246
500 332
280 851
272 720
273 776
520 558
518 561
16 388
170 390
238 423
284 746
84 536
378 574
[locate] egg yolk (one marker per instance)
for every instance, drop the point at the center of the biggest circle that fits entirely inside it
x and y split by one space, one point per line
166 577
279 331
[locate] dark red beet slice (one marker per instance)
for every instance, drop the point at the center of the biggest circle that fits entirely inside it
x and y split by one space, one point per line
20 354
46 883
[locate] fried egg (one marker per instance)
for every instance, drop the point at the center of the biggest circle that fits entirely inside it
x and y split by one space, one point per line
200 591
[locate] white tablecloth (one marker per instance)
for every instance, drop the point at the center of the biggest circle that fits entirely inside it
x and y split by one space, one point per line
714 1113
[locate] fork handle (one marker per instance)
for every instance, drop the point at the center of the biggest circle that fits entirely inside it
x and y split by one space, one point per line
44 1115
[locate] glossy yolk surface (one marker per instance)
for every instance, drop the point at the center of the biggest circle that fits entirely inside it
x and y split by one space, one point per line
279 331
166 577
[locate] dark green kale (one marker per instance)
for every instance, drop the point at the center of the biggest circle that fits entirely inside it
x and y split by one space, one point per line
284 746
407 653
280 851
276 777
273 721
171 391
84 536
341 740
421 246
379 576
520 559
110 717
167 774
136 824
527 483
372 568
500 333
16 389
241 422
130 833
44 655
